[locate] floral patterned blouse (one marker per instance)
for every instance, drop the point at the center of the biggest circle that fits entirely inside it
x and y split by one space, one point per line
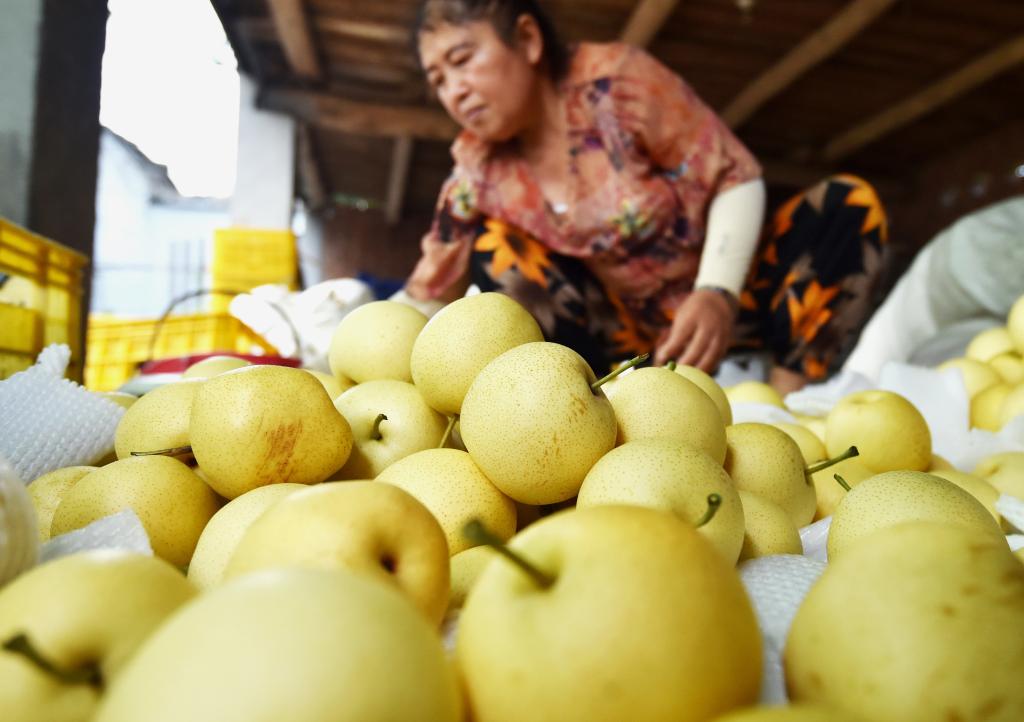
646 158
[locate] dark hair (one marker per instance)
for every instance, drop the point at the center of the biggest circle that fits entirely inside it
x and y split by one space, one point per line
502 15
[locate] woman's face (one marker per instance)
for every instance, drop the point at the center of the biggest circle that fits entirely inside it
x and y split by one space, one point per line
484 84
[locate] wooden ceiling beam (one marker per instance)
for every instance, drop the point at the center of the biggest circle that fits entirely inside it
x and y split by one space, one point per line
818 46
398 178
647 19
295 36
931 98
346 116
379 32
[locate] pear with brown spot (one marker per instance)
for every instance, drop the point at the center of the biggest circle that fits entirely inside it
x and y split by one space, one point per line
266 425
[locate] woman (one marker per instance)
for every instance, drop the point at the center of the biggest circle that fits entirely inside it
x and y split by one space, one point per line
592 185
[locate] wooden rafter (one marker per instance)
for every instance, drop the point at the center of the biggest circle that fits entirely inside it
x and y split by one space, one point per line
932 97
346 116
645 22
398 178
817 47
380 32
294 33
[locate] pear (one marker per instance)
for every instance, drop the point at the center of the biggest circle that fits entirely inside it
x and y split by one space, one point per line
1012 406
1010 367
213 365
224 530
708 385
266 425
977 487
47 491
624 574
918 622
939 463
789 713
120 398
1015 324
769 529
390 420
656 403
977 375
814 424
664 474
828 492
534 424
374 341
462 338
466 568
888 430
989 344
894 497
765 460
172 503
85 615
812 448
334 385
987 406
453 488
1004 471
754 392
159 420
375 529
301 645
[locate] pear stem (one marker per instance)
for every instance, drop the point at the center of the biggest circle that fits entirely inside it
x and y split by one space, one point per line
375 433
477 533
176 451
89 674
842 481
635 361
714 501
819 466
448 431
671 365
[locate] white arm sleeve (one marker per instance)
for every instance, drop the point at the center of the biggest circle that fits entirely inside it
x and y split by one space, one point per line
734 227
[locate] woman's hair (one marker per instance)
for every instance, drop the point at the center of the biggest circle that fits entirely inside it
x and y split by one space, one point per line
502 15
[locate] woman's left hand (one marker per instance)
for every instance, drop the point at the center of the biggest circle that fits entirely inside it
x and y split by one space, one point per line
700 332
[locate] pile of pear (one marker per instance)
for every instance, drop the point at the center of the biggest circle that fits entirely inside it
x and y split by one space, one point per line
462 521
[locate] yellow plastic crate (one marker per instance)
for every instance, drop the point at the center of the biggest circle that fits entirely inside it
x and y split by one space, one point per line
40 299
244 258
118 346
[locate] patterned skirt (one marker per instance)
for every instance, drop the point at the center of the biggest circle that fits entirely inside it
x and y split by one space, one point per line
808 294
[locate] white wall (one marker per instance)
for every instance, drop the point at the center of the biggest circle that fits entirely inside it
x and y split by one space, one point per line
20 24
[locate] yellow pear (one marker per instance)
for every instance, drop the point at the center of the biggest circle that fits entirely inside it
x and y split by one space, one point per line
828 492
466 568
534 424
375 341
977 375
295 645
765 460
1015 324
977 487
375 529
86 613
224 530
1004 471
119 397
989 343
334 385
453 488
888 430
789 713
47 491
709 386
811 447
1010 366
768 528
265 425
1012 406
159 420
622 573
656 403
815 424
987 406
939 462
667 475
895 497
213 365
754 392
462 338
390 420
917 623
172 503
